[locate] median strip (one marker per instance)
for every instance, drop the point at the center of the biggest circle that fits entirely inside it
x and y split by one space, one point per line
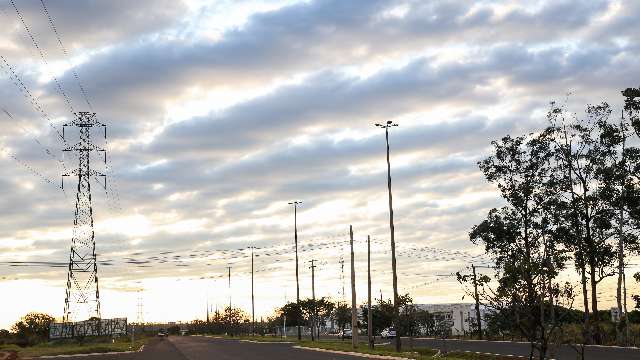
90 354
370 356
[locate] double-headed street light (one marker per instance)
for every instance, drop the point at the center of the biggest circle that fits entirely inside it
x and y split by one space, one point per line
295 236
396 314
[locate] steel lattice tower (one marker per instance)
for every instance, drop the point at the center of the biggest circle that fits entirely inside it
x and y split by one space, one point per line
82 299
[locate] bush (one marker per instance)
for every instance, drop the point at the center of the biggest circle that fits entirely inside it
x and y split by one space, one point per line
32 329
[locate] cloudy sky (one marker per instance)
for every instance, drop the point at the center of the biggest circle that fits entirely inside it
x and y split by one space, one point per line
221 112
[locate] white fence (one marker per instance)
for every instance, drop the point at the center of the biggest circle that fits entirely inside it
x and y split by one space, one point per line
99 327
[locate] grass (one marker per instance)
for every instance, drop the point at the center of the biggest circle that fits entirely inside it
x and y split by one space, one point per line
257 338
72 347
388 350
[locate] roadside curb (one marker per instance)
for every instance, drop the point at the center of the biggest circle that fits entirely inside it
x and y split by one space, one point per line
90 354
498 355
266 342
370 356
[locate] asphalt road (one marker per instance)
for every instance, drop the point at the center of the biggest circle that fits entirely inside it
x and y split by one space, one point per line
201 348
522 349
197 347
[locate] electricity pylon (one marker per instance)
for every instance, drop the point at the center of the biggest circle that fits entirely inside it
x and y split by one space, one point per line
82 299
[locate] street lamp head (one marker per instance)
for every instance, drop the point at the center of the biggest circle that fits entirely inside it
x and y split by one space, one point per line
387 125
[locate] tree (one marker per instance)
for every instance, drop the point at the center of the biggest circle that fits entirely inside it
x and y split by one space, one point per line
632 107
233 319
323 309
342 314
173 330
33 328
413 320
522 237
636 297
294 314
595 164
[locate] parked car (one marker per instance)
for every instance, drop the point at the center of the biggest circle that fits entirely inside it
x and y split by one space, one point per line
346 334
162 333
388 333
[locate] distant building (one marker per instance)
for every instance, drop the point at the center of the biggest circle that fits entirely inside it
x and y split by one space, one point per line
461 317
615 315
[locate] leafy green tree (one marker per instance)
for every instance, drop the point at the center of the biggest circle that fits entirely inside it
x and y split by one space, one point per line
33 328
412 319
600 198
293 313
636 298
324 311
632 107
233 320
173 330
342 314
522 237
322 308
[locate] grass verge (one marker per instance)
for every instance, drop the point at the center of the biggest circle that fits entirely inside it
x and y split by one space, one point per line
72 347
388 350
256 338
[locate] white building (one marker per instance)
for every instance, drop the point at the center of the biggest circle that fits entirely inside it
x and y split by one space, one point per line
615 315
462 316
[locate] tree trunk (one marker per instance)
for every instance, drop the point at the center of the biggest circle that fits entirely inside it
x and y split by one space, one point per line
619 332
594 303
585 300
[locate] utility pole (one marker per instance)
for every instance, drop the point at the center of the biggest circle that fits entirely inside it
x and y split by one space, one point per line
229 268
313 297
230 310
82 298
342 276
140 318
354 312
295 236
396 312
369 315
253 305
477 299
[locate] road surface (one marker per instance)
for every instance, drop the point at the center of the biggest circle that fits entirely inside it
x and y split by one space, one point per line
522 349
200 348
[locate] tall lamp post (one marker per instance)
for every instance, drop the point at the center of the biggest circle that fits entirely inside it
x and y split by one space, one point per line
396 315
295 236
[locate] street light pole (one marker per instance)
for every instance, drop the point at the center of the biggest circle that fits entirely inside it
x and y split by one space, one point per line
396 312
295 236
313 297
253 304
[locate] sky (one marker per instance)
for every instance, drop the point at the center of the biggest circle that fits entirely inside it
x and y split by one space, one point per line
219 113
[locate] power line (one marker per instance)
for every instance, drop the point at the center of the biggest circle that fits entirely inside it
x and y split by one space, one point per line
42 56
17 81
114 202
31 169
66 54
43 147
